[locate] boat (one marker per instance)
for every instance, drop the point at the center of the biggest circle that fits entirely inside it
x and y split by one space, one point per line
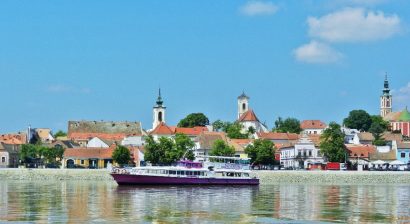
186 173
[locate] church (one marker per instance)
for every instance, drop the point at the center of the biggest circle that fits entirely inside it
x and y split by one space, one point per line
399 120
247 116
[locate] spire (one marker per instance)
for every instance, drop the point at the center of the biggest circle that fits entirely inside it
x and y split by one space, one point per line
386 90
159 99
243 95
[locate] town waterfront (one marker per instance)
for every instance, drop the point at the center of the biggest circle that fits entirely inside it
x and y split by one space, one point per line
104 201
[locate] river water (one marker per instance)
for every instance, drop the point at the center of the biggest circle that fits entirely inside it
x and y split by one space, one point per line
105 202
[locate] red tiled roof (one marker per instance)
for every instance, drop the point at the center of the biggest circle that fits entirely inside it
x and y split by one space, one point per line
278 136
283 145
359 150
162 129
312 124
82 136
403 145
13 139
248 116
191 131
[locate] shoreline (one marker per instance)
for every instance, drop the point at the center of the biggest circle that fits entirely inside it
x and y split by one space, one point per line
266 177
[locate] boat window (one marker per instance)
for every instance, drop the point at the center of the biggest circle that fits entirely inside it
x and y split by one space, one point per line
189 173
246 174
179 172
202 173
172 172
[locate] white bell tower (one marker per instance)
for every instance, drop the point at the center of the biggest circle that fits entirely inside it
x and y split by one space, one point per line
158 112
243 104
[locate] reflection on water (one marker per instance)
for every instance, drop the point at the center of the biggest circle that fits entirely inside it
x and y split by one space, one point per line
76 202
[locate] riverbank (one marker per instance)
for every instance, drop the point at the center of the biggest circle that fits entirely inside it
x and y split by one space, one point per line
266 177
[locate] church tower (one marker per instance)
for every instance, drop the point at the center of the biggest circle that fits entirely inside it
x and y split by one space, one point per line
243 104
158 111
386 99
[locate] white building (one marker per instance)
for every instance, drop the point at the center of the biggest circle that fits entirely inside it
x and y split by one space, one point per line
303 153
314 127
247 118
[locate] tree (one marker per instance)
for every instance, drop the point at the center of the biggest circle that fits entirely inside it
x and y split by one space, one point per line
234 130
193 120
358 119
289 125
121 155
166 151
184 146
261 152
28 153
377 130
60 133
218 125
153 152
379 120
220 148
332 143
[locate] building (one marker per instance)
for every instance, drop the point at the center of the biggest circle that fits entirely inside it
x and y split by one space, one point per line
158 111
247 117
278 138
349 134
403 152
303 154
399 120
386 100
312 126
363 138
82 132
205 141
360 154
9 155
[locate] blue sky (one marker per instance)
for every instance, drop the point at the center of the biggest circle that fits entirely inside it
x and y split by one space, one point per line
104 60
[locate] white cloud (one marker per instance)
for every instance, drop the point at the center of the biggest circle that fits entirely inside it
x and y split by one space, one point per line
354 25
401 97
337 3
316 52
258 8
66 89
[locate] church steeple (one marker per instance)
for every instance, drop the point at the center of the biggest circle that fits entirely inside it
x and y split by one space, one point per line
158 111
386 90
159 99
386 99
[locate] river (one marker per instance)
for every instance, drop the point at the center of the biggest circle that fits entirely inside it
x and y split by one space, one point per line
105 202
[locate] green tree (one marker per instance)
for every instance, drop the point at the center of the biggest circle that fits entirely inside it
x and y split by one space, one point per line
185 146
261 152
28 153
332 143
358 119
379 120
234 130
121 155
377 130
193 120
218 125
153 152
221 148
60 133
289 125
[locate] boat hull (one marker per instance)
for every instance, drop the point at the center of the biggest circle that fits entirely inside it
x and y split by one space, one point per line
130 179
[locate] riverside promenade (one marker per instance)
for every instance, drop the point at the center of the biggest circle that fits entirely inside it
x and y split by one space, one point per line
266 177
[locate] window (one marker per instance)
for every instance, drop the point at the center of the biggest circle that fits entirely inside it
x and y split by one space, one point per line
3 159
160 116
318 153
310 152
315 132
82 162
403 155
243 106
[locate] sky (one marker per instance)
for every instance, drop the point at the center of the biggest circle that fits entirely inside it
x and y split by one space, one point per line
105 60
